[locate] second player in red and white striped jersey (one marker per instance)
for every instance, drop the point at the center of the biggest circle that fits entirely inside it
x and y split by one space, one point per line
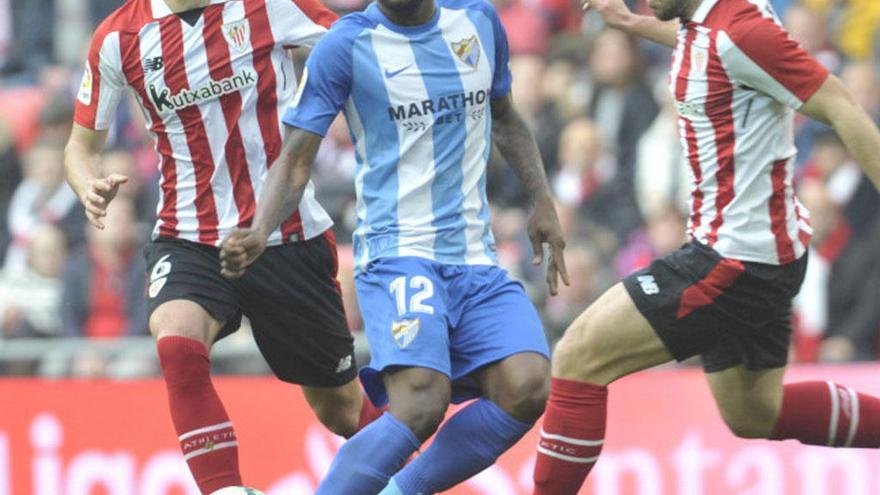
736 78
212 94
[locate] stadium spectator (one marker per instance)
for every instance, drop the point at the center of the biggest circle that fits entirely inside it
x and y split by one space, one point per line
30 299
10 172
41 198
104 283
623 107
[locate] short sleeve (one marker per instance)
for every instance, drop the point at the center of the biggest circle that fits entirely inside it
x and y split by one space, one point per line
102 83
299 22
325 84
502 78
760 54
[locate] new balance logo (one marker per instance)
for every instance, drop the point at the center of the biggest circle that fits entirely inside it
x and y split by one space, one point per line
649 285
344 364
166 102
153 64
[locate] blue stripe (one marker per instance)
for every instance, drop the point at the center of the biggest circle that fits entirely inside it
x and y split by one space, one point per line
382 148
485 33
441 78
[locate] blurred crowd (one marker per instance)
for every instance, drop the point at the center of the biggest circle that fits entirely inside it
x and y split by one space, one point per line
596 99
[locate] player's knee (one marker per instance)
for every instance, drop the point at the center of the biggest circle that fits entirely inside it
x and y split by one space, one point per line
583 353
420 403
523 392
182 319
752 421
339 418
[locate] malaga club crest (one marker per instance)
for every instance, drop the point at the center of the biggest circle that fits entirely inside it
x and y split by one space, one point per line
468 50
405 331
237 34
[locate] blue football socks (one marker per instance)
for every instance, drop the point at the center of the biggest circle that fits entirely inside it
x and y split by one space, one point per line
468 443
367 460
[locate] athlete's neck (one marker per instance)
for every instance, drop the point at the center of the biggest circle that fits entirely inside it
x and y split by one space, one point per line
407 12
692 7
184 5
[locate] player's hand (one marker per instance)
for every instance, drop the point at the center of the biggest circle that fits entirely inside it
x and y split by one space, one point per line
615 13
98 195
544 228
239 250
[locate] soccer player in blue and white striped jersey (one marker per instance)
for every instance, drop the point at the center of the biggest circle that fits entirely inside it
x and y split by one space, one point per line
425 88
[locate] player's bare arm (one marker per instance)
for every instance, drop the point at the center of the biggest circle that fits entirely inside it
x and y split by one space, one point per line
282 193
617 15
832 104
81 157
517 144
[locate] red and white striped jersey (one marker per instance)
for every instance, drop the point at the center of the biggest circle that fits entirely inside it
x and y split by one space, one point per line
213 95
736 76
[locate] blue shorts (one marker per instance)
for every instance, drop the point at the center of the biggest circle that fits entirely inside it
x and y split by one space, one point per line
450 318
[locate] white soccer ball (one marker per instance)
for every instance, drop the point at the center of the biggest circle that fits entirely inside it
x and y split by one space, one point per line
238 490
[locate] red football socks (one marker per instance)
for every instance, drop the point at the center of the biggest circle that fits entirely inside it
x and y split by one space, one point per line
825 413
206 436
571 436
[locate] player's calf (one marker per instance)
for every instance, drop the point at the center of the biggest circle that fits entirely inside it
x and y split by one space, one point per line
205 433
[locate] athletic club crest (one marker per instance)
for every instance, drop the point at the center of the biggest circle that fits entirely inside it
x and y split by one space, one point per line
468 50
237 34
404 331
699 60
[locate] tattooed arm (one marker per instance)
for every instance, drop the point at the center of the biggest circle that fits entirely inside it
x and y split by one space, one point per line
518 147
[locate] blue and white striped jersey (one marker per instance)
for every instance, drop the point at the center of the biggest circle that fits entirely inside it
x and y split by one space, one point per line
417 104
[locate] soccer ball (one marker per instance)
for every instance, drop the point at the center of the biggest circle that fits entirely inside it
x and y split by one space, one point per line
238 490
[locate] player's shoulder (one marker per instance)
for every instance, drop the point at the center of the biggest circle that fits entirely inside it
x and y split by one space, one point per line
350 26
482 6
131 16
738 17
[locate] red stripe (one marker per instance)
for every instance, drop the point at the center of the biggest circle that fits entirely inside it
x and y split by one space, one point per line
721 115
704 292
778 220
196 137
129 47
267 99
693 150
220 67
316 12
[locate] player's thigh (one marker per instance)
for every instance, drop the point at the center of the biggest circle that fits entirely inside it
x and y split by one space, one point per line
607 341
186 296
291 297
498 340
749 400
405 314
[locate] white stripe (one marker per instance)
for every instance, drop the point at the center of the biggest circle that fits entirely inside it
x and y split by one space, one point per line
219 446
573 441
206 429
835 414
569 458
456 25
415 170
112 81
360 149
854 418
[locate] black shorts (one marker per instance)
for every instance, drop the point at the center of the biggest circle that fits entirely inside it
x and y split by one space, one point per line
729 312
290 295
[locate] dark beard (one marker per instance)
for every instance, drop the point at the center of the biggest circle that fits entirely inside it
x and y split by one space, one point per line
671 11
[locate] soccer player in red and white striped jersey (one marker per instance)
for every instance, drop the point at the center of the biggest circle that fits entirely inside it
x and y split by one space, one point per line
212 78
736 79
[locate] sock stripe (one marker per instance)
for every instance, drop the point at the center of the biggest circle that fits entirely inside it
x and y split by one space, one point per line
835 414
202 451
206 429
573 441
854 419
569 458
